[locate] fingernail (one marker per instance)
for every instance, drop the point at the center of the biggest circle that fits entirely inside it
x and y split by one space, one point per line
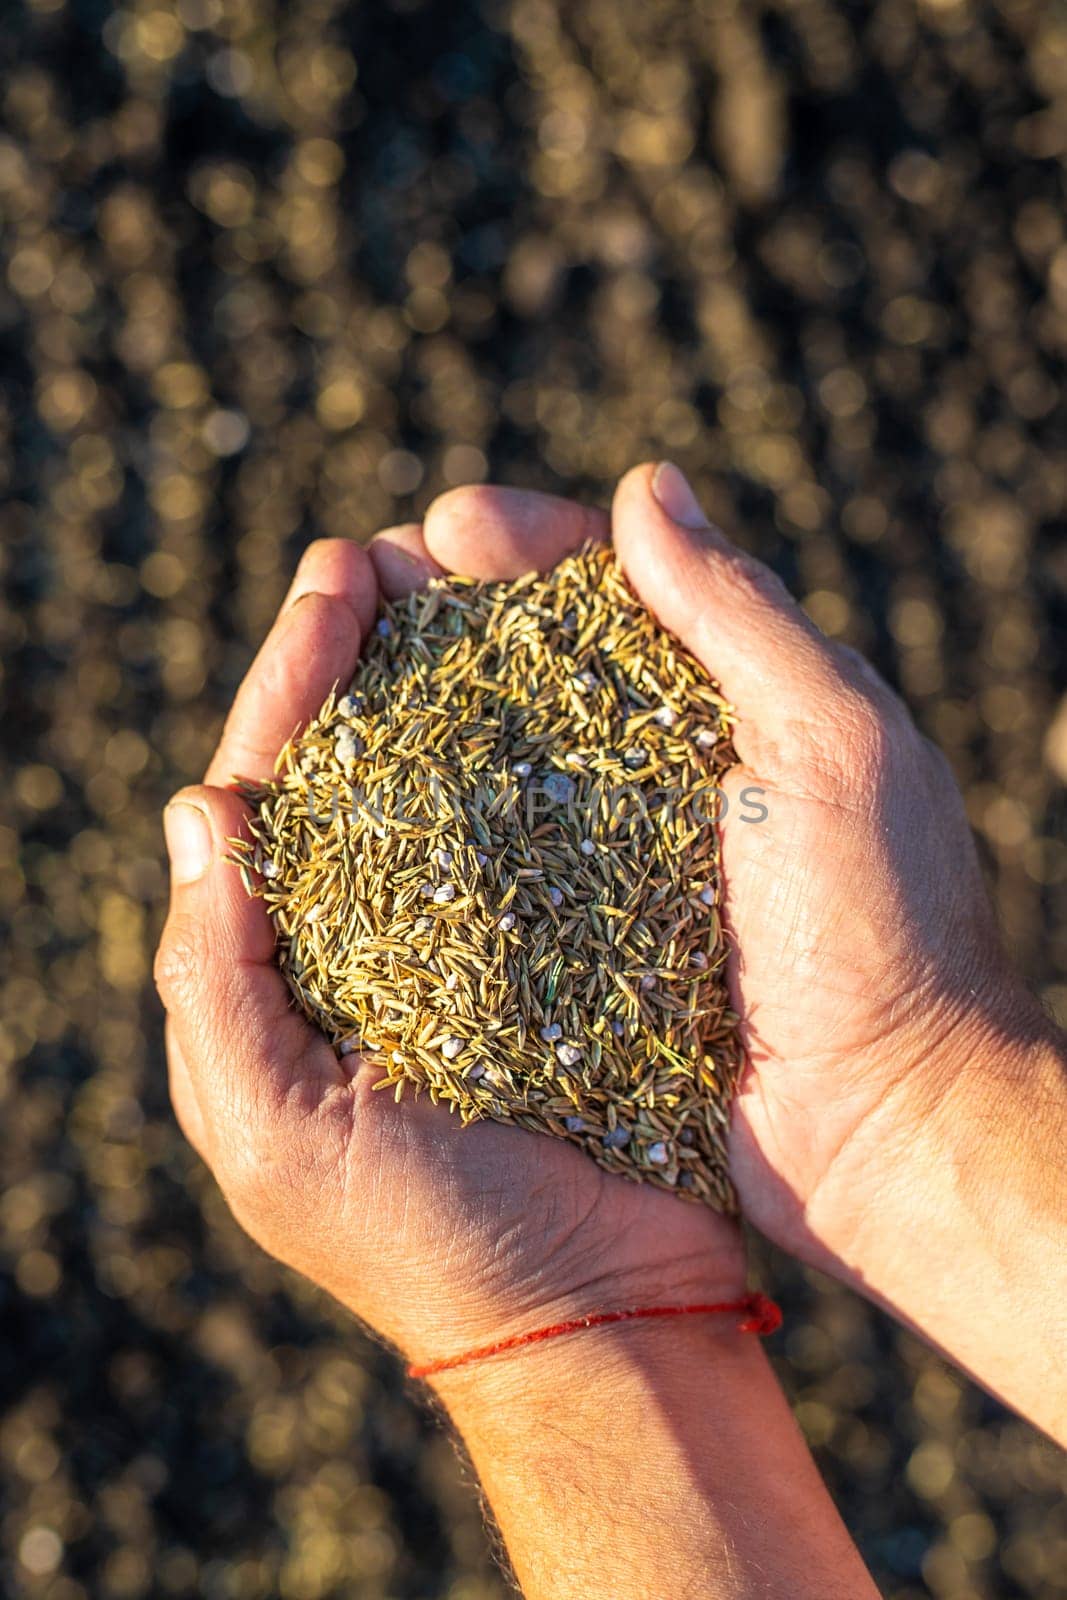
671 488
189 844
383 544
393 563
300 587
406 557
295 600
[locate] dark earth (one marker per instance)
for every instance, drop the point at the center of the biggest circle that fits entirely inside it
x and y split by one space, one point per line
272 270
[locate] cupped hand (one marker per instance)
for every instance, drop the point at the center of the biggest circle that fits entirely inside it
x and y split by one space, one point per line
438 1236
867 968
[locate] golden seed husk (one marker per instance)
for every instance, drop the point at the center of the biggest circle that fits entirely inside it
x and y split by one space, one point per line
493 869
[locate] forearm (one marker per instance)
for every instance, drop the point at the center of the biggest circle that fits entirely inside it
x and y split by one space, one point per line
964 1233
647 1459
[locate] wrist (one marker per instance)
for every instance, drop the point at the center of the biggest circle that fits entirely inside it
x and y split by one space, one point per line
999 1129
554 1356
952 1213
650 1453
562 1395
987 1146
978 1102
696 1256
1002 1081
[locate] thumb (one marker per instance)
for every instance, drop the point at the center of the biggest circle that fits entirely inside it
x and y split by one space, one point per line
726 607
251 1064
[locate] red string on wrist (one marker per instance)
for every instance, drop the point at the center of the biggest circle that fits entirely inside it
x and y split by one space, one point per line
759 1315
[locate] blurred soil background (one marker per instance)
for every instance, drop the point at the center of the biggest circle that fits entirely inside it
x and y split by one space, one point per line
272 270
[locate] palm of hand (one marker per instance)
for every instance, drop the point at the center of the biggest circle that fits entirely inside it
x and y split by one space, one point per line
509 1227
863 940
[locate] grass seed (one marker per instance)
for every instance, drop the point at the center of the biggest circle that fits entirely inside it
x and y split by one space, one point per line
492 868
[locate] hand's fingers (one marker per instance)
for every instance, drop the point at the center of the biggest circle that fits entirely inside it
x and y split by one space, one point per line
183 1096
258 1071
728 608
401 560
485 532
314 644
336 567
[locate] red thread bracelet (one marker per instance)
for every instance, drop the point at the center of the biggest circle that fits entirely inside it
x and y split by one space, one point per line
761 1316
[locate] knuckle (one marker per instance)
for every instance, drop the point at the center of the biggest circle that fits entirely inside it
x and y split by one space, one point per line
860 741
855 671
755 580
855 662
866 731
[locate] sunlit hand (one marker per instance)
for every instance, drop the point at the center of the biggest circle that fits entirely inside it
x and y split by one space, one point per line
903 1117
439 1237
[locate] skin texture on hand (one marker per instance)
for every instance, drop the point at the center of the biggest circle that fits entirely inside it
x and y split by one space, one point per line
865 941
904 1104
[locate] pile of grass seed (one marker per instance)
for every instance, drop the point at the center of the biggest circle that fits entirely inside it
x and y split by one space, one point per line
492 866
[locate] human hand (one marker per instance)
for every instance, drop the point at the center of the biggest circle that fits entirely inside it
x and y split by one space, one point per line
440 1237
904 1111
